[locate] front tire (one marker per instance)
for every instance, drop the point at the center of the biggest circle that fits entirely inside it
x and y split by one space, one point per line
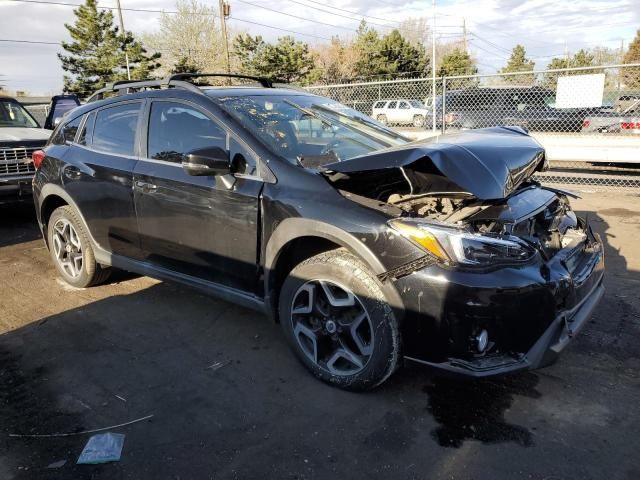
382 119
71 249
338 322
418 121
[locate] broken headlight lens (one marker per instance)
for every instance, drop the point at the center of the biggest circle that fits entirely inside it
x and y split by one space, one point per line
453 245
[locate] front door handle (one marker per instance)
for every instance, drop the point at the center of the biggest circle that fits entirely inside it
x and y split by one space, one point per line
146 187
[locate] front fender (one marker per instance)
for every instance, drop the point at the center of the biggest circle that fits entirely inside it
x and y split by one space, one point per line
292 228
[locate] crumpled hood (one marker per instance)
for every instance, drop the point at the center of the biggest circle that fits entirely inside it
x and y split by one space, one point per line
489 163
19 134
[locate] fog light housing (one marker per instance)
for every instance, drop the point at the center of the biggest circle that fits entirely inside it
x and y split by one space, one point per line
482 341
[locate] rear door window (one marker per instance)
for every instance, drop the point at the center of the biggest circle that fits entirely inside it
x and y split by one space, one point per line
115 129
392 105
404 106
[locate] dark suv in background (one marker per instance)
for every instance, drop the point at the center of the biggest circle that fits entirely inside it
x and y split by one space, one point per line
367 248
527 107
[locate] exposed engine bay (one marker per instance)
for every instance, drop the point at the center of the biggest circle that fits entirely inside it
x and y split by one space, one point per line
540 217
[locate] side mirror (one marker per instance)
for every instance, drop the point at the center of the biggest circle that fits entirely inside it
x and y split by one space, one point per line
207 162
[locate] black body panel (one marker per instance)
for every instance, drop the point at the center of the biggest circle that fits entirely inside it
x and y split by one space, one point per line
234 235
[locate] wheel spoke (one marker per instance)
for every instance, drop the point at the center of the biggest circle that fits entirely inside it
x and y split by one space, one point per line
345 354
58 246
74 238
308 307
347 301
302 332
365 349
76 260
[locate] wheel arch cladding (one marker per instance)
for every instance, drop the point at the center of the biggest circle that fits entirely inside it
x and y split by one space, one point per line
52 197
296 239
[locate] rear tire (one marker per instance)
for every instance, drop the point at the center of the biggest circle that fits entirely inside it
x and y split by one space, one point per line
71 249
418 121
338 322
382 119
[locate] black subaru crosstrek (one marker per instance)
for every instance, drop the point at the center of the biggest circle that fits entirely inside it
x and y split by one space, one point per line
369 249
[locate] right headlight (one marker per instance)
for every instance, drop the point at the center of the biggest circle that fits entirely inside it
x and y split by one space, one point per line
452 245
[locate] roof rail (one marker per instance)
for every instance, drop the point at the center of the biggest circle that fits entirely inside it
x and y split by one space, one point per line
265 82
177 80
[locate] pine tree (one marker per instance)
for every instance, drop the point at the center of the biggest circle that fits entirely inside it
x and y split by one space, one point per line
96 54
287 59
518 62
185 65
631 76
457 62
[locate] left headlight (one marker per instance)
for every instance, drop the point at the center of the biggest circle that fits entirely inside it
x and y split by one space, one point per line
452 245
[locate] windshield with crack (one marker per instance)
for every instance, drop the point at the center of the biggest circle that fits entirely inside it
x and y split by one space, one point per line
310 130
12 114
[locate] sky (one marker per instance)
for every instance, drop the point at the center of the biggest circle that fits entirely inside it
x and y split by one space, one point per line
547 28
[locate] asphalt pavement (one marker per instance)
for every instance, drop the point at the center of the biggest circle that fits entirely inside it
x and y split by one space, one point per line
229 400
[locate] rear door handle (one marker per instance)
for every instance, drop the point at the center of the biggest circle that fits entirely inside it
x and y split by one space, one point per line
146 187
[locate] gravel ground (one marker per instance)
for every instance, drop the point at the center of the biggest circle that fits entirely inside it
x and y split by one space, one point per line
229 400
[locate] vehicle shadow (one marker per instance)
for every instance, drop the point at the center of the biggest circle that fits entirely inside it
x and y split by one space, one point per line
18 223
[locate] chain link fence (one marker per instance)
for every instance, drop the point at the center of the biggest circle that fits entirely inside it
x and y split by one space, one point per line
587 118
39 111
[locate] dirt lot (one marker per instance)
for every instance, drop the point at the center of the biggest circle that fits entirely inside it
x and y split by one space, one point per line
72 360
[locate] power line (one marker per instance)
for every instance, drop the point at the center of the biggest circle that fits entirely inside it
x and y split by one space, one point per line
75 5
29 41
361 17
346 11
278 28
295 16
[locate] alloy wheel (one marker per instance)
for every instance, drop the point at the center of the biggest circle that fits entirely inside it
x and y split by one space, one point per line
332 327
67 248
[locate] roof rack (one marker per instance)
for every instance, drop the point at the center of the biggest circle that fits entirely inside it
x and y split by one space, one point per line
176 80
265 82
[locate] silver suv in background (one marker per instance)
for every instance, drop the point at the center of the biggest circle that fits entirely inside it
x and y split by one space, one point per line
400 111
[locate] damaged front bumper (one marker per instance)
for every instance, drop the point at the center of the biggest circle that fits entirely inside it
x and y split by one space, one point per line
530 313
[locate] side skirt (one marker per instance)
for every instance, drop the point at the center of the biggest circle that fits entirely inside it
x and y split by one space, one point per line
222 292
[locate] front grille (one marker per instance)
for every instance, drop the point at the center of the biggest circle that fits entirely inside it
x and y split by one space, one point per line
16 161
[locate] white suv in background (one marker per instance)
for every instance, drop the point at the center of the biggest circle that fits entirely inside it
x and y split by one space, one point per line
401 111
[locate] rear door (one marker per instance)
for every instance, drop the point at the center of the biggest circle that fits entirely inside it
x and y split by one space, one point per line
204 227
404 112
60 105
98 174
392 111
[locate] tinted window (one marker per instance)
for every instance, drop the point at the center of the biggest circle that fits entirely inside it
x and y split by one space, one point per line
66 132
87 131
404 105
62 106
115 129
379 105
176 129
71 128
12 114
392 105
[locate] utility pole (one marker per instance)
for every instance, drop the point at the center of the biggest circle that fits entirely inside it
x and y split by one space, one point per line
620 61
225 11
464 34
126 55
433 68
